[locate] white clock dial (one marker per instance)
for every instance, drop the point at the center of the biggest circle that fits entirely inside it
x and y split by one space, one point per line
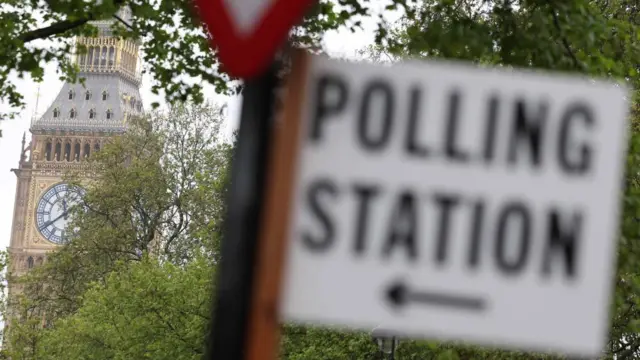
54 211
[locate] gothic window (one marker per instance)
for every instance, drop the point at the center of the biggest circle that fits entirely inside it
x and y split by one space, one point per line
112 55
56 112
105 95
72 94
92 114
96 56
87 95
132 64
72 113
109 114
47 151
87 150
96 147
67 151
76 152
103 58
30 262
58 150
90 55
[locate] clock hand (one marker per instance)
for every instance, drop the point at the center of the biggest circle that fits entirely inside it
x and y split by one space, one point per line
47 223
54 220
64 208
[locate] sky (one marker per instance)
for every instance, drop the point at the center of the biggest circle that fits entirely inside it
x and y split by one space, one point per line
342 43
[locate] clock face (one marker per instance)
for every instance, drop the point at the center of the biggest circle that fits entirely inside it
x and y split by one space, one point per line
53 211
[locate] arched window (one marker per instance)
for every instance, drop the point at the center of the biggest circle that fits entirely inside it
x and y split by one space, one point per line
90 55
96 56
103 58
112 55
96 147
30 262
56 112
76 152
87 95
67 151
87 150
72 94
92 114
47 151
58 150
72 113
109 114
105 95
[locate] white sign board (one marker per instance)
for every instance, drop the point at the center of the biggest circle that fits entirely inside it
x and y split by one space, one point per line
458 203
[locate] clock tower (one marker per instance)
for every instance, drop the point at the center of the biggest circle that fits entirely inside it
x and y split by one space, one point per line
78 123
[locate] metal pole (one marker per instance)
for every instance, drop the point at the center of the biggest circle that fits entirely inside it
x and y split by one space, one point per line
393 348
234 285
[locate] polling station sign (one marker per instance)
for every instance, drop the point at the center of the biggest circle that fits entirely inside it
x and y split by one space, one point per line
451 202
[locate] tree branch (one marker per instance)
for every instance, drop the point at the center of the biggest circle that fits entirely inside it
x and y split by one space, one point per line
565 42
57 28
63 26
629 352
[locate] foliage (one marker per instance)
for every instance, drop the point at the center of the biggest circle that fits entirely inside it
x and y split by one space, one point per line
149 310
319 343
315 343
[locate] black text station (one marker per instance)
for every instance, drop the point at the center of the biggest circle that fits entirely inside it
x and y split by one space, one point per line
405 234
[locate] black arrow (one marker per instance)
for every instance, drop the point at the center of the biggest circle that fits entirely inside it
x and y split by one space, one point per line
400 295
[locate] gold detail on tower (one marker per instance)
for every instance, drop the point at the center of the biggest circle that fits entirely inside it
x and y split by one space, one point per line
107 54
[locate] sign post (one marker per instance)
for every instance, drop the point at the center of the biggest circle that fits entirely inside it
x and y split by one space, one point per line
246 35
263 335
455 203
236 270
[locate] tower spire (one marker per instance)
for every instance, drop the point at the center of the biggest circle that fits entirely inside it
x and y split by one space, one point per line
24 142
34 116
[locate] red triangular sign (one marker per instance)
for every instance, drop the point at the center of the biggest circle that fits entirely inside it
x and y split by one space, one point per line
247 33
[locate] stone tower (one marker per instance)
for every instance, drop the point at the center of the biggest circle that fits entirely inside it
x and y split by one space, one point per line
76 124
